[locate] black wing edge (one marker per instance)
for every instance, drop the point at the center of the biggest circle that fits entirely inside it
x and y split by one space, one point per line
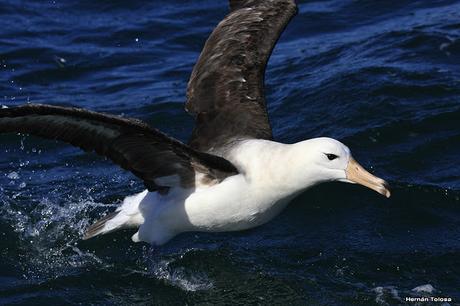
130 143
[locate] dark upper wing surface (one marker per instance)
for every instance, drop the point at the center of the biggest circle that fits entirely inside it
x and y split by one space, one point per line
226 89
149 154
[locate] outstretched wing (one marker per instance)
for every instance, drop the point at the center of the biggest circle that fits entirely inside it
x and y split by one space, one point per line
226 89
160 161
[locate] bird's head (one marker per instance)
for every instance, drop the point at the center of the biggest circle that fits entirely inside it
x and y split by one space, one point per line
330 160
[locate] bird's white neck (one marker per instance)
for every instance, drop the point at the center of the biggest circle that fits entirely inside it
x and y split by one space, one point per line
272 166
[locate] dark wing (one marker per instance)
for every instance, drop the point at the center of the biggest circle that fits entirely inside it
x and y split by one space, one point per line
226 88
160 161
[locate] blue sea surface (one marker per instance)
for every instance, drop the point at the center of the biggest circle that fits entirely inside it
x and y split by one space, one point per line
381 76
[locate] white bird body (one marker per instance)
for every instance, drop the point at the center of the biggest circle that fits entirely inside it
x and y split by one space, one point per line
269 178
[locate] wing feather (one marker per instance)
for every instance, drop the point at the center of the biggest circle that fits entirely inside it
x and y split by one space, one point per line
226 89
130 143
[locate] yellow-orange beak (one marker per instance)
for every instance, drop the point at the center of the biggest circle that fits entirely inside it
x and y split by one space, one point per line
357 174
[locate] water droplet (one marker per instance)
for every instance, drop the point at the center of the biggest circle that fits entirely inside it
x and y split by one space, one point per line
13 175
60 61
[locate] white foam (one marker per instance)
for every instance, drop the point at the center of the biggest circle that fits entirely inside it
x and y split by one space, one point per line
384 294
427 288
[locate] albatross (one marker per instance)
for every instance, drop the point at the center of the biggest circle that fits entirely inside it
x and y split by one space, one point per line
231 175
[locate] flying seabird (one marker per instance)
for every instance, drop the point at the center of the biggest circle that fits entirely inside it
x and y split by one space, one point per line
231 175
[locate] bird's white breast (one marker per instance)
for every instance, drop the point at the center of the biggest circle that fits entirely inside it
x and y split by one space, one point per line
245 200
242 201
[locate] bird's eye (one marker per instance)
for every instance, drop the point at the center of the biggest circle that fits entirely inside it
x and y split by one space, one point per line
331 156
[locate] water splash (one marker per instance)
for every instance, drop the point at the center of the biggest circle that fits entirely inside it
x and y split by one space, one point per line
48 235
169 271
13 175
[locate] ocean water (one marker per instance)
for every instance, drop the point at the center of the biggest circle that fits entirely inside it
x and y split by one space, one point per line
381 76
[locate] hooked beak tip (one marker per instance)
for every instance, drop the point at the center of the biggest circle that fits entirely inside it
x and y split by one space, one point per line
387 189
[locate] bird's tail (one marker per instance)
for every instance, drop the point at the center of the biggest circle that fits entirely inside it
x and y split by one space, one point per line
127 215
102 226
